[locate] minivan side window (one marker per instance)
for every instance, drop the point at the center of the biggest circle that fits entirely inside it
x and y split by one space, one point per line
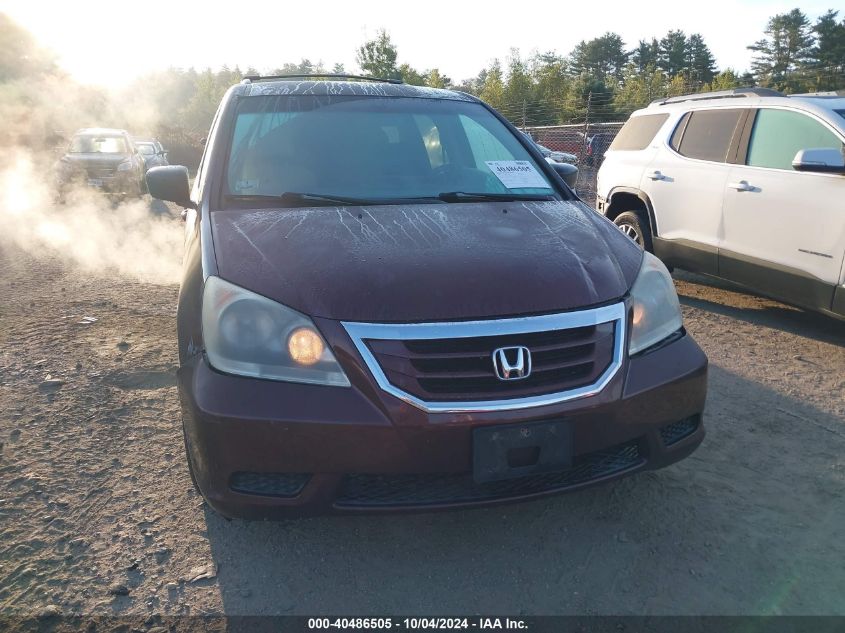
780 134
708 134
638 132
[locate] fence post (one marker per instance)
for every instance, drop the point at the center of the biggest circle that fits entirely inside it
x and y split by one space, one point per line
586 127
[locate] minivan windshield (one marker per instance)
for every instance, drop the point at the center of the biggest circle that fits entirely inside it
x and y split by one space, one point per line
307 149
89 144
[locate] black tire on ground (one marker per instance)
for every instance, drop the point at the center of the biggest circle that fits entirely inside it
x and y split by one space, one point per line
632 224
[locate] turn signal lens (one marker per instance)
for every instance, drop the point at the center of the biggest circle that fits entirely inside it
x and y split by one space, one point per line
305 346
657 313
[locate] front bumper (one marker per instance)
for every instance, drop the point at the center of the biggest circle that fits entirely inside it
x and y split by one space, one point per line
263 449
124 182
601 205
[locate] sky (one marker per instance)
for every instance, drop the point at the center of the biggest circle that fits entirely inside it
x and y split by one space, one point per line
109 43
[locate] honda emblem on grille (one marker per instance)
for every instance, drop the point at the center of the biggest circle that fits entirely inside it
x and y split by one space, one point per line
512 363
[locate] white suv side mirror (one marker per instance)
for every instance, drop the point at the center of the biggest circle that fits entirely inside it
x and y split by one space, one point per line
821 159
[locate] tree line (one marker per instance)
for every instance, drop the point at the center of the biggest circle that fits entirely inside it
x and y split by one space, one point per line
601 79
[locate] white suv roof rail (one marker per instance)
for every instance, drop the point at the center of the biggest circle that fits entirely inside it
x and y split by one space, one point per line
721 94
828 93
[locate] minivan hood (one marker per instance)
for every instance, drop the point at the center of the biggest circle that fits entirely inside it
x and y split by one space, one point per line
426 262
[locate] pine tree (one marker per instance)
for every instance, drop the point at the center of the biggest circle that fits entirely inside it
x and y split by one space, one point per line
828 55
493 90
519 89
434 79
725 80
786 47
673 53
378 57
640 88
603 58
701 64
411 76
646 55
550 73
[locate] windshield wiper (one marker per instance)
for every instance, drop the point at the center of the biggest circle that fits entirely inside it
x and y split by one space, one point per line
295 198
465 196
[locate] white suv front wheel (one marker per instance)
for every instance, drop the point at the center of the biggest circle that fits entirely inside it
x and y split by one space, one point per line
632 225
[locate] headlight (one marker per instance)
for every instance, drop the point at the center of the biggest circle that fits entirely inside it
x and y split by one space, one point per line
125 166
249 335
657 313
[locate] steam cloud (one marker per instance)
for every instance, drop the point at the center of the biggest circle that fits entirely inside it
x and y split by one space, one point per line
40 108
87 230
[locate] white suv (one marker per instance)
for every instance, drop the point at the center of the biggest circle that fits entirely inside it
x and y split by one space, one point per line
745 184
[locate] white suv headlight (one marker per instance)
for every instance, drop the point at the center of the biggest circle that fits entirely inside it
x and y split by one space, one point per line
657 313
125 166
250 335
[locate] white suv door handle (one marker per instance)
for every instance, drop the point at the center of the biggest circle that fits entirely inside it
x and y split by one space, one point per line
656 175
742 185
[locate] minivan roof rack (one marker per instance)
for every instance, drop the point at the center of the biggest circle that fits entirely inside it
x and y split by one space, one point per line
721 94
336 76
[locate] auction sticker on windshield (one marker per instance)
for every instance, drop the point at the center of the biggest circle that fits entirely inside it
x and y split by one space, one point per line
517 174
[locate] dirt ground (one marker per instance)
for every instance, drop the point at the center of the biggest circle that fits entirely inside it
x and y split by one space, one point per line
98 516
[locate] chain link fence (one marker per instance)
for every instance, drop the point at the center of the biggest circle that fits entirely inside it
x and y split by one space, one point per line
586 141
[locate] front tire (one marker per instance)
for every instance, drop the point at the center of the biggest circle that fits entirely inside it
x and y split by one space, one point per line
632 224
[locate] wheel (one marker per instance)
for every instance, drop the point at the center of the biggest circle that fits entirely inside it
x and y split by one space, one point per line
631 224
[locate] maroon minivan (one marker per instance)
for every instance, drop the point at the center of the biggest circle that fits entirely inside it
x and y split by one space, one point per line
392 302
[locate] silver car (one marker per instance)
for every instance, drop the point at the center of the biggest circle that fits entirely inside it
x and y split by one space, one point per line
152 152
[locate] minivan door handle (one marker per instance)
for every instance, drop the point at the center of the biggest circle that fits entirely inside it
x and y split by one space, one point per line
742 185
656 175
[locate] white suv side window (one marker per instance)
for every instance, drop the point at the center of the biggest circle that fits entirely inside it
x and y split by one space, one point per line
638 132
779 134
707 134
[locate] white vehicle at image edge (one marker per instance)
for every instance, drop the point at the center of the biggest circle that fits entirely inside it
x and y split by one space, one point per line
745 184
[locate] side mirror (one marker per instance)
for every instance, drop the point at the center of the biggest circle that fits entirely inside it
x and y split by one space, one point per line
171 184
826 160
568 172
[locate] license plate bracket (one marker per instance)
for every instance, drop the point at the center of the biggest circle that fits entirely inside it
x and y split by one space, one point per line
95 182
518 450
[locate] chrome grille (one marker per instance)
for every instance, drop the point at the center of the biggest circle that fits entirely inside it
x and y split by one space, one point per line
449 366
101 170
462 369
